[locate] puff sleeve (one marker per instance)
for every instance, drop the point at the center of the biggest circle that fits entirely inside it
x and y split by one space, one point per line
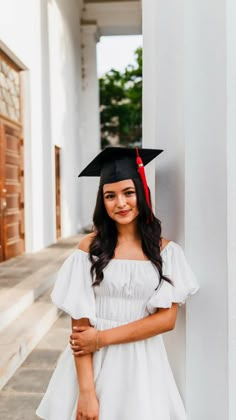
73 291
176 268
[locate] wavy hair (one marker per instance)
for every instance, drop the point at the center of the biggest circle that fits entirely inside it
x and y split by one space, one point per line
102 247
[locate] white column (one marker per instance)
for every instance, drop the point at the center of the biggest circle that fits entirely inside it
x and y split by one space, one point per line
231 196
163 128
189 110
90 130
206 210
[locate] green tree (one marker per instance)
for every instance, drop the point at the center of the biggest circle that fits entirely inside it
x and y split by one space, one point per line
121 104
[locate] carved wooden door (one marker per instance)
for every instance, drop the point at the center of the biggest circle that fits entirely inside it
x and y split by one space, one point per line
12 196
11 162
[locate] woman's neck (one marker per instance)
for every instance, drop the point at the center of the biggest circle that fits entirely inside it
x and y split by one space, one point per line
128 232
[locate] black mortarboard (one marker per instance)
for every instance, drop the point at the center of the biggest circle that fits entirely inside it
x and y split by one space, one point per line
115 164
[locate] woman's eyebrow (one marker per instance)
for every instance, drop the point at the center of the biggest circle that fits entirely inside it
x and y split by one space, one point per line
128 188
110 192
113 192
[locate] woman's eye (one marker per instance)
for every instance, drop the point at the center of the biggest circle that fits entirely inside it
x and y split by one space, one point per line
109 196
128 193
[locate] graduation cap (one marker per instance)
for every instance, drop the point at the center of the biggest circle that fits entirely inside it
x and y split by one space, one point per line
115 164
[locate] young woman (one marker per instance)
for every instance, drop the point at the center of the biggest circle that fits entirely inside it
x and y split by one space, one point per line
121 288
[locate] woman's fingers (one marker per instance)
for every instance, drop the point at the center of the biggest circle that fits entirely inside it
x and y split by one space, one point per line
79 353
74 343
75 339
75 336
81 417
80 328
84 342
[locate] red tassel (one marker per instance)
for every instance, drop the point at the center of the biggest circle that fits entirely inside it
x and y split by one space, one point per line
142 174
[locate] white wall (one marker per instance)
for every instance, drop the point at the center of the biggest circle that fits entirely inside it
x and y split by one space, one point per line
45 36
66 102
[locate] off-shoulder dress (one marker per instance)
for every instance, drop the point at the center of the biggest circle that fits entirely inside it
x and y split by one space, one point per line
134 380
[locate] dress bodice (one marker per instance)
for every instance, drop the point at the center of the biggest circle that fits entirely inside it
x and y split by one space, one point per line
130 290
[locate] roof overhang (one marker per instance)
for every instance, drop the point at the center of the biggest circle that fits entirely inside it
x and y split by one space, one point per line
113 17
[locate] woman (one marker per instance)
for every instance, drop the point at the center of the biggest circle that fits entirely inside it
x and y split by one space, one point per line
122 288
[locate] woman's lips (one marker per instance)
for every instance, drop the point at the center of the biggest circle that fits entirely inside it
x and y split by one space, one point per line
123 212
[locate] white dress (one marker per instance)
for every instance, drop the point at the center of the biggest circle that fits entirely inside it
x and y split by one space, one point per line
134 380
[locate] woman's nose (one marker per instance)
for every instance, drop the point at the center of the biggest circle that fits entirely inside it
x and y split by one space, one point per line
121 201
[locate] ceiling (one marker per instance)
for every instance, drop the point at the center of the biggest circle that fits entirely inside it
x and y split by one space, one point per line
113 17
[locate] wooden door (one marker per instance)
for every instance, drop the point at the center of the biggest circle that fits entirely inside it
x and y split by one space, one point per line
58 191
11 190
11 161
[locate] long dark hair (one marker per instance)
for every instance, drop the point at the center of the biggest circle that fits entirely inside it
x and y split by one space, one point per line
102 247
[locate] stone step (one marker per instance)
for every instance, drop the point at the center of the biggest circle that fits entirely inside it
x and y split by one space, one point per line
20 338
15 300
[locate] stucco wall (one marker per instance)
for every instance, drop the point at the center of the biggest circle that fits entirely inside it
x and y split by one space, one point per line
45 36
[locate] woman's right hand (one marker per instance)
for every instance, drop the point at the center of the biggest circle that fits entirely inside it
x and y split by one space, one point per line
88 407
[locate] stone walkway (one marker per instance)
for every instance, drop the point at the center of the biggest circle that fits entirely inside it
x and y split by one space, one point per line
22 394
13 271
19 398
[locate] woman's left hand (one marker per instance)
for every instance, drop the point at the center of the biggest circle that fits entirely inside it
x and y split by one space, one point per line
83 340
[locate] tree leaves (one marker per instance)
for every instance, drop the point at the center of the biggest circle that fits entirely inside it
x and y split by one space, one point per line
121 105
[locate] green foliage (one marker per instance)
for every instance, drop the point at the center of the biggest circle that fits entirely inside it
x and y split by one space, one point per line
121 104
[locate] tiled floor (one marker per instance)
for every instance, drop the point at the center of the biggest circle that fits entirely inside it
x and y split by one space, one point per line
21 396
15 270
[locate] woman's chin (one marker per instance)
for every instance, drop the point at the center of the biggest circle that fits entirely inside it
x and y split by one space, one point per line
125 220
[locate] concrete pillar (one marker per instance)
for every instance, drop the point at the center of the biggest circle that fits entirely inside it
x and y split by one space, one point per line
163 128
231 200
90 129
209 130
189 110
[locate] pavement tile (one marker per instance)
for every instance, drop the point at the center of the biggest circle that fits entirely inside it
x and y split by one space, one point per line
19 407
45 358
28 381
57 340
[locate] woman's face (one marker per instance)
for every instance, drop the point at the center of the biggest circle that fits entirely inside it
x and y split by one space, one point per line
120 201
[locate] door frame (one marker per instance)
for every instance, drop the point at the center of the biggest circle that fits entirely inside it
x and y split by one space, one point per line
57 157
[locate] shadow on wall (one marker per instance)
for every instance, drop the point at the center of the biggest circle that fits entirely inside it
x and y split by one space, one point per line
170 210
170 201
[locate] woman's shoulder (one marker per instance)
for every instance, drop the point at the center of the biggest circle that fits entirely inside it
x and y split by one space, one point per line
164 243
85 242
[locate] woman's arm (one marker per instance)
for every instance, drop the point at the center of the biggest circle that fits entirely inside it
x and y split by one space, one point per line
87 402
87 340
158 323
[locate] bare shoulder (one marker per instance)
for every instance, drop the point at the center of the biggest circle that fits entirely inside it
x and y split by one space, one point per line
86 241
164 242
